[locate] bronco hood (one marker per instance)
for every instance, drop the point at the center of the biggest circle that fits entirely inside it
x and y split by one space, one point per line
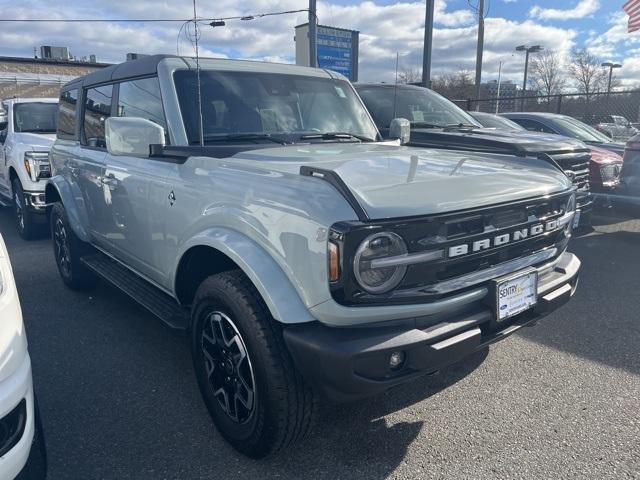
494 140
390 181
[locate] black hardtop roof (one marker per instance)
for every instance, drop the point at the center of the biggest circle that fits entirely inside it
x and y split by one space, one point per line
133 68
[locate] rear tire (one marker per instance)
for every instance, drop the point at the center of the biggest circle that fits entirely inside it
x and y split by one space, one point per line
67 250
238 351
27 227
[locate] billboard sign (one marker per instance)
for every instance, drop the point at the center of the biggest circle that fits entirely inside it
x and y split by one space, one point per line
335 49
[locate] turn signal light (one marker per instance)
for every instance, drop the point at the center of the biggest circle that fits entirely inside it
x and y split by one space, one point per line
334 262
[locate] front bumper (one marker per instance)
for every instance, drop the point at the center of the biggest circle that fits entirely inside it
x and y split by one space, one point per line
350 363
14 390
34 202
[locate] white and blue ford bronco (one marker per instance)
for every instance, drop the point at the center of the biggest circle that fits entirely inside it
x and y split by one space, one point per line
255 206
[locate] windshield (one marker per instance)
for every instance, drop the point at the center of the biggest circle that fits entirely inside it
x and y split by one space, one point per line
494 121
576 129
36 117
249 105
420 106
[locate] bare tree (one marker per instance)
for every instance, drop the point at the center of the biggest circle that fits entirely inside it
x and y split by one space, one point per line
455 85
546 73
586 72
409 75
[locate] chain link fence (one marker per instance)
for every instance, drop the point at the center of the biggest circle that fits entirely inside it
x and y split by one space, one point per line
592 109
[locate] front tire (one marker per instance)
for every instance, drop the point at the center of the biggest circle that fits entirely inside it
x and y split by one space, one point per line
27 227
255 396
67 250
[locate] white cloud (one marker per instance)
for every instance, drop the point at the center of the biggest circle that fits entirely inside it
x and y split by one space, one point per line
582 9
384 30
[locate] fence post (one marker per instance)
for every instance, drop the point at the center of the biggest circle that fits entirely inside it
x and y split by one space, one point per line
468 104
559 106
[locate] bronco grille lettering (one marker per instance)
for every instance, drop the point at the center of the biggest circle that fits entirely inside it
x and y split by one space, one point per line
502 239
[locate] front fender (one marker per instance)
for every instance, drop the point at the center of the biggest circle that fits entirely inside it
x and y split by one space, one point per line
279 294
58 189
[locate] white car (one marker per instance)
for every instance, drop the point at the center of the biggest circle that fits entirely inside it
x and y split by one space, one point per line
27 132
22 452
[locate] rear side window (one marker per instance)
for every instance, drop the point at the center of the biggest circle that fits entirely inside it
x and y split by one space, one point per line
533 126
97 108
67 114
142 99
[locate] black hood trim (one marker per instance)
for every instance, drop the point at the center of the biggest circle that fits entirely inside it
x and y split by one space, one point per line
336 181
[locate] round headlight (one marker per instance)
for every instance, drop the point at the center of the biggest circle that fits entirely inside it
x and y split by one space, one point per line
379 246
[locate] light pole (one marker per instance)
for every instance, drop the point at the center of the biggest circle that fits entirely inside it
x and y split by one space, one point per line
480 48
527 50
611 66
428 42
499 82
313 34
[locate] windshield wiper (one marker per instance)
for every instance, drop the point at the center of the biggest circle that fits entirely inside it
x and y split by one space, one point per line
239 137
449 126
454 126
336 136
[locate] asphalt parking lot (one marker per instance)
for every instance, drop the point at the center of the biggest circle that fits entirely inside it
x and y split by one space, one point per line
559 400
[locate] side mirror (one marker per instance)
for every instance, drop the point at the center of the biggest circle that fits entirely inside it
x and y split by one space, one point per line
132 136
400 129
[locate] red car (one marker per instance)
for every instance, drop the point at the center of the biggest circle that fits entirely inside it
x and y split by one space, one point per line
605 170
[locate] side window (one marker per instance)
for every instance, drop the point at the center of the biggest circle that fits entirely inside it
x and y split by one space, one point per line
141 98
67 114
97 108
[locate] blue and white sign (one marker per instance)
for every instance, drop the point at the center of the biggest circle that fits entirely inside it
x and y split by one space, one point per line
335 50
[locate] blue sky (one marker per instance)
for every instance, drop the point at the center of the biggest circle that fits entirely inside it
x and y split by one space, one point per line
386 27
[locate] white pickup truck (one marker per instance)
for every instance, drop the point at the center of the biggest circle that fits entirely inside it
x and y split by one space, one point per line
26 135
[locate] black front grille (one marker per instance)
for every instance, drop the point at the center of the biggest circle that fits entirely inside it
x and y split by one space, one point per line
446 231
576 164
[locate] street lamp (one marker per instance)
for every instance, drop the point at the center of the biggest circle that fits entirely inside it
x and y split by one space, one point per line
611 67
527 50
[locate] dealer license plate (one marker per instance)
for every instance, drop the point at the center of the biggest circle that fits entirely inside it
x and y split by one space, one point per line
516 293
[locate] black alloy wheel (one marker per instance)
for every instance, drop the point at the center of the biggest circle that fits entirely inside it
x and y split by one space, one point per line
228 367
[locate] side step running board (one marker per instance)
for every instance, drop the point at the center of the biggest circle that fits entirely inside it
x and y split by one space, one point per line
149 296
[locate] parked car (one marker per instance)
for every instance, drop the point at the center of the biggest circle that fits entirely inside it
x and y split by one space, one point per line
305 257
606 155
438 123
630 184
22 450
564 125
490 120
617 127
24 160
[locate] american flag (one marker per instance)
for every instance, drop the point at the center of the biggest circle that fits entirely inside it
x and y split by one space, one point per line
632 7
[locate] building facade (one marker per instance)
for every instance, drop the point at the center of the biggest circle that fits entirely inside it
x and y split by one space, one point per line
40 77
503 96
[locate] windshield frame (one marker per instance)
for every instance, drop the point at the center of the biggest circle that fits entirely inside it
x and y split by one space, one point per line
355 112
19 105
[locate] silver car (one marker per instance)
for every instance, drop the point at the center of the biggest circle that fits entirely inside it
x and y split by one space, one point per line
255 206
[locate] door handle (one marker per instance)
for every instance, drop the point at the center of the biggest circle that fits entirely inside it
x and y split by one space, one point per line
110 181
